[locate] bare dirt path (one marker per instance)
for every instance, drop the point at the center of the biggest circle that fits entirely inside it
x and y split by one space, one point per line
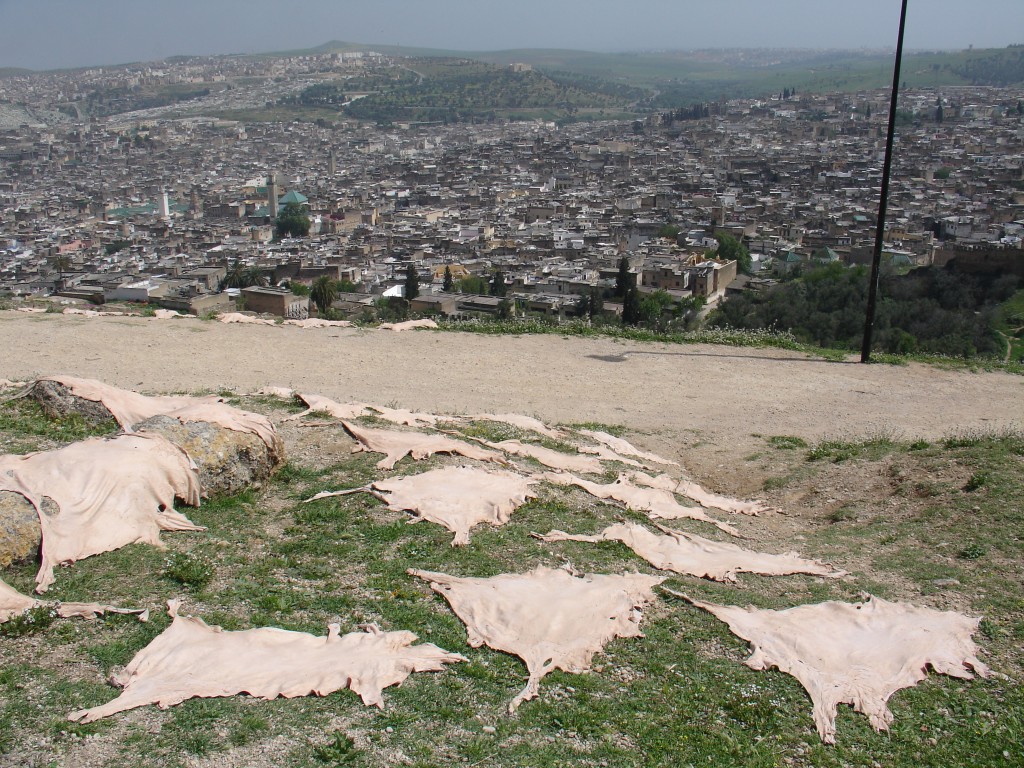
677 395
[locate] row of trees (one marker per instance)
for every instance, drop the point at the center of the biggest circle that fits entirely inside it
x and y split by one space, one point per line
929 310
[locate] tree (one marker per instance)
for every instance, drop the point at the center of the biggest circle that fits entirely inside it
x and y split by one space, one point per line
731 249
867 112
241 276
504 309
255 276
623 279
591 303
669 232
474 284
299 289
449 283
62 263
631 307
323 293
292 221
938 110
412 283
498 285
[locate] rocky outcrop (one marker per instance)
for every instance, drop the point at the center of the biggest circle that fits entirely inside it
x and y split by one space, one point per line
228 461
20 532
59 402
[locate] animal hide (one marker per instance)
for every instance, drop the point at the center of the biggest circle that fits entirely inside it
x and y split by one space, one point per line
858 654
696 556
398 445
191 659
607 454
238 317
404 417
521 422
91 312
408 325
13 603
320 404
283 392
548 457
319 322
548 618
129 408
694 492
458 498
167 314
619 445
658 503
109 492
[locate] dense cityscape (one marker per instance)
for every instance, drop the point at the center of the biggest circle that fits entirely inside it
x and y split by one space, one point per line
169 206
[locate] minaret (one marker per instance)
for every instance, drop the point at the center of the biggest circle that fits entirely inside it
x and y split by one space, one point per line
272 195
332 164
165 206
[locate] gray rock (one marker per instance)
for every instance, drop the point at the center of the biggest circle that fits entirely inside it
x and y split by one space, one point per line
20 533
58 402
228 461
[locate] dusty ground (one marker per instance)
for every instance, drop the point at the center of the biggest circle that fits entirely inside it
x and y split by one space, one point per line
678 394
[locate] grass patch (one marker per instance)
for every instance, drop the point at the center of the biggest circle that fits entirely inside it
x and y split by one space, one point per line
787 442
24 427
678 696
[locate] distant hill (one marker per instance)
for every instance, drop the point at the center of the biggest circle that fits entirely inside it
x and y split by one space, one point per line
683 77
461 89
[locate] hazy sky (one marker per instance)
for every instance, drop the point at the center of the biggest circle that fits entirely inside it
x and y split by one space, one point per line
47 34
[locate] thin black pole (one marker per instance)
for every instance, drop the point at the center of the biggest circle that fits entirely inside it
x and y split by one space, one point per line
876 260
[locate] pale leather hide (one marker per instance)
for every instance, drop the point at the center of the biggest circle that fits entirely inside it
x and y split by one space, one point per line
129 408
694 492
658 503
458 498
110 492
696 556
192 659
238 317
858 654
321 404
549 458
408 325
319 322
548 618
13 603
521 422
398 445
619 445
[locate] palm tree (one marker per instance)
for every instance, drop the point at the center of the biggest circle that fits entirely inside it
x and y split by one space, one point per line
235 278
323 293
62 263
254 276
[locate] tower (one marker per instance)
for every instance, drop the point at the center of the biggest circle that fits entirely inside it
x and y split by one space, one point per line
165 206
272 195
332 164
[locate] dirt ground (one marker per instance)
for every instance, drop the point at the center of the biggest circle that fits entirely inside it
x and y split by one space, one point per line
674 398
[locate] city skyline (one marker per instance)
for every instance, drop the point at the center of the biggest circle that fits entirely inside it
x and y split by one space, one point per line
52 34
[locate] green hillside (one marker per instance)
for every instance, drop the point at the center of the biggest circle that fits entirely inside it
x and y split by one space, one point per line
448 89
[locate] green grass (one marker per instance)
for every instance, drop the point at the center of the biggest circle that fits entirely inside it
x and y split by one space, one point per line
679 696
24 427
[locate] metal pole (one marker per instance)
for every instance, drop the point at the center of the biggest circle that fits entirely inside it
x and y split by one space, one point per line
876 260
